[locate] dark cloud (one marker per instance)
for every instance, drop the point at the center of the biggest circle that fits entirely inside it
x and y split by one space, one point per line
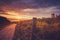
5 2
31 3
37 3
48 3
17 5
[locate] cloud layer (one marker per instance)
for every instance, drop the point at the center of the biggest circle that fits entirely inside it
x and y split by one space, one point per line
35 6
30 3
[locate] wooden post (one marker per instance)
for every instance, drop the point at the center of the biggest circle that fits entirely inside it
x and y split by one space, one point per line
33 28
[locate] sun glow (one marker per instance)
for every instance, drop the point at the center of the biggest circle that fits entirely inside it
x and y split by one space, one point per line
15 16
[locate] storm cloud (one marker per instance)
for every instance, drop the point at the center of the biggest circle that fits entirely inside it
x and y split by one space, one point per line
36 5
30 3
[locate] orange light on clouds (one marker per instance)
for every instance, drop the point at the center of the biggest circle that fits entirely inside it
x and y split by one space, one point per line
15 16
12 13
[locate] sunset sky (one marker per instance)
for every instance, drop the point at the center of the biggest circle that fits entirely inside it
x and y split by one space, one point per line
30 8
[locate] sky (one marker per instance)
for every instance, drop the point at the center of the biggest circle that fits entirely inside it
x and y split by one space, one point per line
30 8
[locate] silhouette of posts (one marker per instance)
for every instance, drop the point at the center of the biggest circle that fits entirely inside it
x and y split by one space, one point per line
33 28
17 32
22 31
36 32
53 15
31 33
